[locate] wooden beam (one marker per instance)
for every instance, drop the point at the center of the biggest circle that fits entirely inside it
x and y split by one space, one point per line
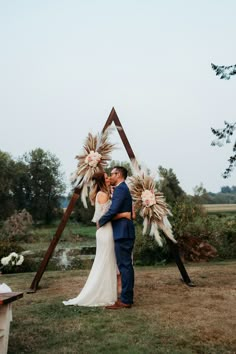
7 298
114 118
54 241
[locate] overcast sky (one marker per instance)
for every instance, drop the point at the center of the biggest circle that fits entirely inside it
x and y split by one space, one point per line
65 63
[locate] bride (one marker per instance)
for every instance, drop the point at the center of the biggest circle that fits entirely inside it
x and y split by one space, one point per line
100 288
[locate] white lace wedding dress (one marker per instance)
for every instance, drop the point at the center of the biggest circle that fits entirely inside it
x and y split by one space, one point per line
100 288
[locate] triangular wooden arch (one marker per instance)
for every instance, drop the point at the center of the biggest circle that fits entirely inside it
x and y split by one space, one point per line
173 247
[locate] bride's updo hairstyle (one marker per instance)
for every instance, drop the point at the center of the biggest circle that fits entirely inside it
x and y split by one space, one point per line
99 184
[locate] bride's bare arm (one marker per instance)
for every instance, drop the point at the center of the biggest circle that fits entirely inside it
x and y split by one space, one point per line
102 197
126 215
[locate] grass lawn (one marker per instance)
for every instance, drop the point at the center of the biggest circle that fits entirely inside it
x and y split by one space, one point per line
168 316
46 233
75 235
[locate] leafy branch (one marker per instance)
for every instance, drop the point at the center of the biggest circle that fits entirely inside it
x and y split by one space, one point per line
224 135
225 72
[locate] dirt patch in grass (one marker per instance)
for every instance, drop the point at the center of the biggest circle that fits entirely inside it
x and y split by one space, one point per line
167 317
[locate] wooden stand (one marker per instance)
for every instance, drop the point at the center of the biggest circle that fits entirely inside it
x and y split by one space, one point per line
113 118
5 317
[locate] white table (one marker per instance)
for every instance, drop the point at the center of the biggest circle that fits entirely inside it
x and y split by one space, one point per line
6 300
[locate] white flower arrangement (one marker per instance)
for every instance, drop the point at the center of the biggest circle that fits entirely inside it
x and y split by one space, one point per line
148 198
93 158
13 259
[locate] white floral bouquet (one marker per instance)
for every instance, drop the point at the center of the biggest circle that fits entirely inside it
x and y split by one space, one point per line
151 205
12 260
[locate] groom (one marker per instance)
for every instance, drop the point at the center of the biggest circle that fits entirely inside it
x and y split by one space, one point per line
123 233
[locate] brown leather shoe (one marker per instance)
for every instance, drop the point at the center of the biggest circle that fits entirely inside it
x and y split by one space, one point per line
118 305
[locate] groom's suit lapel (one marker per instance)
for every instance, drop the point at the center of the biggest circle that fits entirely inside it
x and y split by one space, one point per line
119 189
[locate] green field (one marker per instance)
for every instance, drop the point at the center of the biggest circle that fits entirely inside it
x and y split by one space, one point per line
224 208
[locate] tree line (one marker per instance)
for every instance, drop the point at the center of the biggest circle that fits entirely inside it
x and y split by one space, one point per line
33 182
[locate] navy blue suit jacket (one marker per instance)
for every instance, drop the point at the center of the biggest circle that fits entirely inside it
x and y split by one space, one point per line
121 202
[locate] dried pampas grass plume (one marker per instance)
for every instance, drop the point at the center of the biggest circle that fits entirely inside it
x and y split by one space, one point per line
151 205
95 156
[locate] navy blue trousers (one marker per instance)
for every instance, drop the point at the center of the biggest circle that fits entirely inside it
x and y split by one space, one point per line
123 251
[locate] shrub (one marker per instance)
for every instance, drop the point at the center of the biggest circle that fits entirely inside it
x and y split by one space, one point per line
221 233
185 212
147 251
82 214
29 264
7 247
16 226
191 221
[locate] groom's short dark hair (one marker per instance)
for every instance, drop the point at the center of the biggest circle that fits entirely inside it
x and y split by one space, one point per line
123 171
